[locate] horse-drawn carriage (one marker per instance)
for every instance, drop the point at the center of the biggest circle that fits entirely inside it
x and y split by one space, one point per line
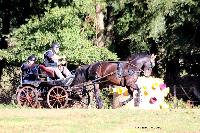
73 91
49 92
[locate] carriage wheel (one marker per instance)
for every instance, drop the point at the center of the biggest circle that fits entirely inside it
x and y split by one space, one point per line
57 97
82 99
27 97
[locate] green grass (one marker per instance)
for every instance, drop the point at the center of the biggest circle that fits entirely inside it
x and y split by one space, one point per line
98 121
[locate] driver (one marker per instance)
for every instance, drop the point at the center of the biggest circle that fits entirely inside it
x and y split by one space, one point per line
54 62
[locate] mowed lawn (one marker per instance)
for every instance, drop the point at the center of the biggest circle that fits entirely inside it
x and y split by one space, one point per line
98 121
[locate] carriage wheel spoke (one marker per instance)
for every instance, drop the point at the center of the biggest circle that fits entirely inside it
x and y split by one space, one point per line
57 105
54 92
53 103
21 101
29 100
62 97
25 93
52 96
60 103
30 103
62 92
22 97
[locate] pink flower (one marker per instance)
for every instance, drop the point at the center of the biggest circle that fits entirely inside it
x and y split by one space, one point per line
152 100
162 86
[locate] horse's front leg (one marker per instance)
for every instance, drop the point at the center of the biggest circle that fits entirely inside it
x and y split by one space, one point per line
130 91
99 103
134 93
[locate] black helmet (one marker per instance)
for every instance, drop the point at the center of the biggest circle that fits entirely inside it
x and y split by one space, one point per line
55 45
32 58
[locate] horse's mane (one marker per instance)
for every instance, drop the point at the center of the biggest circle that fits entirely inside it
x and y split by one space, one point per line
137 56
81 75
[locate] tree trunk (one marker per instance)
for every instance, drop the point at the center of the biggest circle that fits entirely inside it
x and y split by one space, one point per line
99 27
109 25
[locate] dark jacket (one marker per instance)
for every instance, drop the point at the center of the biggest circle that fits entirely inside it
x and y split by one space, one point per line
29 72
48 59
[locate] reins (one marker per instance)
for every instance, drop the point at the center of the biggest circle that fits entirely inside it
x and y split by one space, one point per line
96 80
140 69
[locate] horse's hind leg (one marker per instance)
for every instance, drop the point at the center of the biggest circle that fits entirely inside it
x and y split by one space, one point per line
99 103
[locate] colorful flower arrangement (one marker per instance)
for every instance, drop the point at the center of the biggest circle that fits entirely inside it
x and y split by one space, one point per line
151 95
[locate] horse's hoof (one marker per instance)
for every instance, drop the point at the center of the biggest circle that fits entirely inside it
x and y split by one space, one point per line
122 103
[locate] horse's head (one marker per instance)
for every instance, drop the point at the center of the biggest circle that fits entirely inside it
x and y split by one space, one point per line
148 65
143 62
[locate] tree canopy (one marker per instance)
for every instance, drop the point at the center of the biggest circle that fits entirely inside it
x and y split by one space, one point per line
65 25
168 28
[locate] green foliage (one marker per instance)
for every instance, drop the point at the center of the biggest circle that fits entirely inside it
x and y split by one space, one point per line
157 26
7 106
8 83
175 103
106 98
148 19
61 25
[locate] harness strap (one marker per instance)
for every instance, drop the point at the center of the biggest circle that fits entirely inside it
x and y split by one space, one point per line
120 73
98 68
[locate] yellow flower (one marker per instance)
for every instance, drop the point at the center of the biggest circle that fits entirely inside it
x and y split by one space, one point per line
145 93
119 90
155 85
144 88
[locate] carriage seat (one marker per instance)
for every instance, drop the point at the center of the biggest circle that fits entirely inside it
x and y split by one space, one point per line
45 72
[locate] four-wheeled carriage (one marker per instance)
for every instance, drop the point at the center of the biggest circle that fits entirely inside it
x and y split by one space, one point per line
52 94
46 92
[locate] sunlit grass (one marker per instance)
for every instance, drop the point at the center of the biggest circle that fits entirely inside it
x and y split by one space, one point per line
98 121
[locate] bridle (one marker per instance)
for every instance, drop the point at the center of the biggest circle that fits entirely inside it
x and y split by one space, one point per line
152 64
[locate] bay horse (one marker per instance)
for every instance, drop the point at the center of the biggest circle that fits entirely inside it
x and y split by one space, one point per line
121 73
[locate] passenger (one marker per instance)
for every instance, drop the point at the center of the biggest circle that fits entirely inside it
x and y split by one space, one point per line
53 62
29 70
